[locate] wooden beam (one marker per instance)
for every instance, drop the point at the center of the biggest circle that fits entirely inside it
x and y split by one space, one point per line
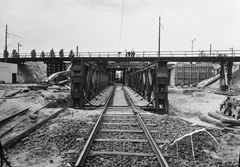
123 153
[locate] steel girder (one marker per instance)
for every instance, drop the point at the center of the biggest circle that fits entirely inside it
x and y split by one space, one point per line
225 75
87 81
53 67
151 82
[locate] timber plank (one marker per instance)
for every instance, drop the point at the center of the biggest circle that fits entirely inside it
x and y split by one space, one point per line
122 140
118 130
123 153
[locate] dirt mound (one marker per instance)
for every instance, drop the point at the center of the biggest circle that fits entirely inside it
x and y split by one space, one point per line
32 72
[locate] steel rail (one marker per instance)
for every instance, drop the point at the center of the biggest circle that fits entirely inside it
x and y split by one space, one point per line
160 158
85 151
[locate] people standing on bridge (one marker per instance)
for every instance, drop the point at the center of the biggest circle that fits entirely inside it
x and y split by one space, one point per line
132 53
126 52
129 54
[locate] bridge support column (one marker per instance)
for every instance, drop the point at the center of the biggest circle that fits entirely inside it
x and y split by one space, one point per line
161 88
53 67
151 82
78 78
87 82
223 84
225 75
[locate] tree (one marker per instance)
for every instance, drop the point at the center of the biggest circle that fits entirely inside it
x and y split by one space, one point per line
71 54
61 53
33 53
52 53
14 53
6 54
42 54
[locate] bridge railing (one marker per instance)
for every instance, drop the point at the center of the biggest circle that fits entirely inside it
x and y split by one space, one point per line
201 53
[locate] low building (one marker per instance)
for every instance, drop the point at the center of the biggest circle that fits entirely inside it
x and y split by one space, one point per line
8 72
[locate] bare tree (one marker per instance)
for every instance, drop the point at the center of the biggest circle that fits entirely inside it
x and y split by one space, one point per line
33 53
61 53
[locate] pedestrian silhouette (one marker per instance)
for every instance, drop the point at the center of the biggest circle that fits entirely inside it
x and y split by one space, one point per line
133 53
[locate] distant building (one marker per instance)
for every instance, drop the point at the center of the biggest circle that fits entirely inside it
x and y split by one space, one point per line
8 72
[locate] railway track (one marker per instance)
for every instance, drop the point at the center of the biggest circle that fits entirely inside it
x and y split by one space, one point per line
120 138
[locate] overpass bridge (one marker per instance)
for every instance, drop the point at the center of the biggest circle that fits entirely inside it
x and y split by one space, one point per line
91 72
149 56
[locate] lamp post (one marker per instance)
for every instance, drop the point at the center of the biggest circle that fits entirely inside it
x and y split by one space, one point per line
192 45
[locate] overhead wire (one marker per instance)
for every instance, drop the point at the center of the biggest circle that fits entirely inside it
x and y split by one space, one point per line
82 31
121 27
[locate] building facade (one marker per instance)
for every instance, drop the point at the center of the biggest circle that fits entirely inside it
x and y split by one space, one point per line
8 72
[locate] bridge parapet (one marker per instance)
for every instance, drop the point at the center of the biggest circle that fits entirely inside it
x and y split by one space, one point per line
201 53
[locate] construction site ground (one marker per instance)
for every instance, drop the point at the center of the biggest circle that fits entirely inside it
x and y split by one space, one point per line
46 147
54 143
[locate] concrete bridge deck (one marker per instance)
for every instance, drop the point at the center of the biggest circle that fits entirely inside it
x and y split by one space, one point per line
151 56
125 59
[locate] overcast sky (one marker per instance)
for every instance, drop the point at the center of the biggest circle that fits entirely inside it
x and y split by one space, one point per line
94 25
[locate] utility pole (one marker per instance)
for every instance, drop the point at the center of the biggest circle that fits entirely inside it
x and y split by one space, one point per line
6 36
18 48
120 38
210 50
77 51
159 35
192 45
5 51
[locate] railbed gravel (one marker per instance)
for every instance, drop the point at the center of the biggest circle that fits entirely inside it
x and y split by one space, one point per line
120 135
172 128
122 147
120 117
118 160
119 121
56 137
121 127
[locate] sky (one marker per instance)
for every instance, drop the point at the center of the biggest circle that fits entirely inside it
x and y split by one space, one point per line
116 25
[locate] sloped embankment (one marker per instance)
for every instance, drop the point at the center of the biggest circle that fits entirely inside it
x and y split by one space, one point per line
32 72
214 82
